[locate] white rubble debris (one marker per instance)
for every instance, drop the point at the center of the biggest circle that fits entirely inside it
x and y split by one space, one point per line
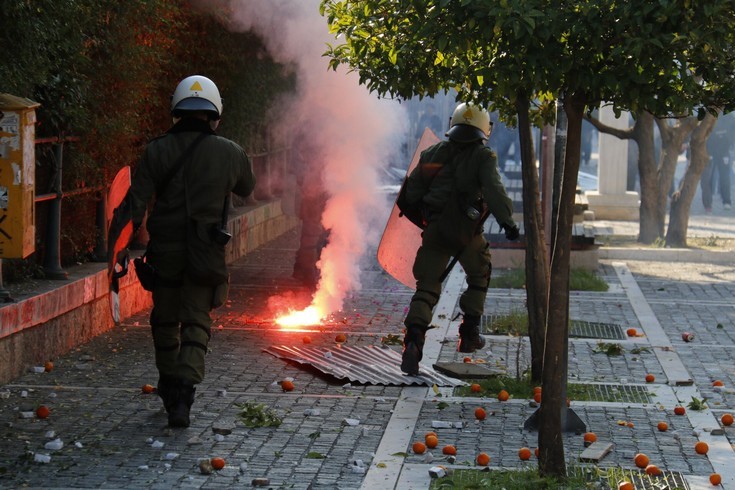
171 456
54 445
352 422
41 458
311 412
50 434
157 444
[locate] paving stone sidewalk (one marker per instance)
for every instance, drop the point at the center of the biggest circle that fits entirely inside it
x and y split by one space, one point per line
115 436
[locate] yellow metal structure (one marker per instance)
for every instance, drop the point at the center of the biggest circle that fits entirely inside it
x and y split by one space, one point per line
17 175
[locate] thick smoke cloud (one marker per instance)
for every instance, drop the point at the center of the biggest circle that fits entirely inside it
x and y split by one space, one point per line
355 132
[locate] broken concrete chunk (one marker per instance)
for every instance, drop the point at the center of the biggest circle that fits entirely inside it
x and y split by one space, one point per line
54 445
205 467
42 458
352 422
223 427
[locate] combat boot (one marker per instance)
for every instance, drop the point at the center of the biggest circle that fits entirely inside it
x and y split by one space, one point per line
413 349
469 334
178 416
168 391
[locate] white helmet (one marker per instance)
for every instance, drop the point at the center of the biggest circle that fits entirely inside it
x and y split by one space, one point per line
196 93
469 123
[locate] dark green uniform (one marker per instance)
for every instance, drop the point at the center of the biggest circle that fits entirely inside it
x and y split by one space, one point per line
473 169
180 319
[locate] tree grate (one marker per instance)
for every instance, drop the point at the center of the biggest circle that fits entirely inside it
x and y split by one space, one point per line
517 324
608 393
596 330
668 480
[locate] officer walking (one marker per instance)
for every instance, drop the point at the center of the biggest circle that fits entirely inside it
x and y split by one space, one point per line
191 172
461 165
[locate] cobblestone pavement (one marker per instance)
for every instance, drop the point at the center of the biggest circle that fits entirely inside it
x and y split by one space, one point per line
115 436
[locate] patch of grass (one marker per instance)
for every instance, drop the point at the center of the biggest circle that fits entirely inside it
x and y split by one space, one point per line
514 323
579 280
525 479
523 389
586 280
509 279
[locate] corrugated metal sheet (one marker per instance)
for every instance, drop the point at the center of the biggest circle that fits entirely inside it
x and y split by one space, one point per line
376 365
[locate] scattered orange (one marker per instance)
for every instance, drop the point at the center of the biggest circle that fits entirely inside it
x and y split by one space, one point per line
663 426
590 437
419 447
480 413
524 453
503 396
147 389
431 433
48 366
632 332
630 424
536 452
287 385
340 338
718 382
727 419
432 441
715 479
306 339
537 397
467 359
449 450
679 410
650 378
483 459
42 412
625 485
653 470
217 463
641 460
701 447
475 388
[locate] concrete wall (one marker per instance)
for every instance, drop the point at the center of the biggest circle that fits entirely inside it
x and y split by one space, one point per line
58 318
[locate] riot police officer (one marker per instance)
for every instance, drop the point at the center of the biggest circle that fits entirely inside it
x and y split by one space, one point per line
460 165
190 171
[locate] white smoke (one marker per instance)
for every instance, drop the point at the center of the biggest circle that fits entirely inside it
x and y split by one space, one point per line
356 131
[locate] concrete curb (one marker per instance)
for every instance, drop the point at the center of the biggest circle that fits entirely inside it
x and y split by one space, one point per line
667 255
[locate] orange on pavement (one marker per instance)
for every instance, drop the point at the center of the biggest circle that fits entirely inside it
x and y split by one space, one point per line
419 447
641 460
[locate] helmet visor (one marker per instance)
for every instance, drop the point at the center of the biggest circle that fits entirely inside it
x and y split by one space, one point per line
192 104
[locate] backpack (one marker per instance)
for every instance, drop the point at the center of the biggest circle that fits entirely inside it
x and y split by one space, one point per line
414 212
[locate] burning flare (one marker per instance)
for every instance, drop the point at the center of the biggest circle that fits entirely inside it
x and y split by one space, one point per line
309 316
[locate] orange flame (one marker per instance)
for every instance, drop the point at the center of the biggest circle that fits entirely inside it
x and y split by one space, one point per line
309 316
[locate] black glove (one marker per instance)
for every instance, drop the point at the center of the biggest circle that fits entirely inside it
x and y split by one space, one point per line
512 232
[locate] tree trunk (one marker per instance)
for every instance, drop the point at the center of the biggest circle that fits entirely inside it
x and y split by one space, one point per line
672 142
681 201
651 227
551 443
537 278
